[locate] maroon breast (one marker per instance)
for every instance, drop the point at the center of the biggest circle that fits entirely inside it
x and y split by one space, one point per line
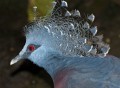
61 78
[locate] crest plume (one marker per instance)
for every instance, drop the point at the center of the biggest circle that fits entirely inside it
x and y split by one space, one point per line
68 33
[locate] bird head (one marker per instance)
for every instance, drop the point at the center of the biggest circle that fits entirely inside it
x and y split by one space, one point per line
63 32
31 51
37 46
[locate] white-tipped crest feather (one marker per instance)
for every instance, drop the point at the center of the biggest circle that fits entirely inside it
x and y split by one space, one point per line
91 17
64 4
86 25
93 30
76 13
67 13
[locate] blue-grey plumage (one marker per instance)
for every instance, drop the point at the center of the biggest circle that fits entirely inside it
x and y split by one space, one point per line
65 45
78 72
84 72
81 72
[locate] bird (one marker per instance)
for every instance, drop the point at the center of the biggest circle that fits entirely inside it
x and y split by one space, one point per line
67 47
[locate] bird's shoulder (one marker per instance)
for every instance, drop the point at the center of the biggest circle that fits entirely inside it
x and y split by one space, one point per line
96 73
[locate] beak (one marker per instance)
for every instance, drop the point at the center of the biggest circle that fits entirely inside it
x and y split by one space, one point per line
15 60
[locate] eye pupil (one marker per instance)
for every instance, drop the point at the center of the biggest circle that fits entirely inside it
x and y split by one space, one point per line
31 48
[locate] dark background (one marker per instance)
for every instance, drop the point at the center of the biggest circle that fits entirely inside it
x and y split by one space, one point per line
14 16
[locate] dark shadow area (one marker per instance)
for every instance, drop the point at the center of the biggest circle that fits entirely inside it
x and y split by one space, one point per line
28 66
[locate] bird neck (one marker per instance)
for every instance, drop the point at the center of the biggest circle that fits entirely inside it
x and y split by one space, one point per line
57 67
53 64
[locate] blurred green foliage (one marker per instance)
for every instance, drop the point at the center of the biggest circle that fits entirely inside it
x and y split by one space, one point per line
43 7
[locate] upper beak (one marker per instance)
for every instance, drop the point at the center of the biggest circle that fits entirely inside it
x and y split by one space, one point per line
15 60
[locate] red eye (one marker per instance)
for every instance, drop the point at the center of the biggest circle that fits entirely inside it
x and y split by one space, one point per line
31 48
